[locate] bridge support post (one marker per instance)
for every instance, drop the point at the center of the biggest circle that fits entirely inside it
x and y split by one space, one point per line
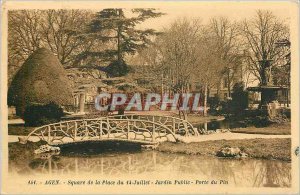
153 129
108 131
173 125
153 134
86 128
75 131
186 129
100 136
49 134
128 130
134 124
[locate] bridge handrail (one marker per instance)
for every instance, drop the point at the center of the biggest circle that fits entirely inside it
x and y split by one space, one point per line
96 119
116 116
163 116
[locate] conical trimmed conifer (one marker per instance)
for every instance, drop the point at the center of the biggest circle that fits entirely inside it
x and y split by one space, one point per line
41 80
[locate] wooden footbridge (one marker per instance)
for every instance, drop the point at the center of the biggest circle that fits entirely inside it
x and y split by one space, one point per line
142 129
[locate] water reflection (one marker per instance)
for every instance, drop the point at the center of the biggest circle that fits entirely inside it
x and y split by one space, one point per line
247 172
223 124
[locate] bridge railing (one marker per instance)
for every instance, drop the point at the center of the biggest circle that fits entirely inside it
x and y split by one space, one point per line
177 125
135 130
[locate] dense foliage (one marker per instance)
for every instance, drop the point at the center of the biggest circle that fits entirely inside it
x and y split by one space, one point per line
117 69
37 115
41 80
239 98
113 27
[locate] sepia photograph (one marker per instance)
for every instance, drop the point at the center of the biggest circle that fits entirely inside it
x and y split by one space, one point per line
149 97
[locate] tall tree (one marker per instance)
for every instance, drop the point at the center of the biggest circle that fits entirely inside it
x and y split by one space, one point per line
282 73
111 26
175 56
179 47
209 66
61 31
226 36
24 37
262 34
262 53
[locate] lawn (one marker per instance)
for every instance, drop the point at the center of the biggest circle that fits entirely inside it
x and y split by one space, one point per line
19 129
275 148
274 129
196 119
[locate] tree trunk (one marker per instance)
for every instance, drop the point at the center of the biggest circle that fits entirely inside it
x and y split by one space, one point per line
218 89
184 115
119 39
205 101
162 84
287 98
228 84
263 77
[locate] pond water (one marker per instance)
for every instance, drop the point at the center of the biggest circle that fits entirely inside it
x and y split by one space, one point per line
238 172
219 124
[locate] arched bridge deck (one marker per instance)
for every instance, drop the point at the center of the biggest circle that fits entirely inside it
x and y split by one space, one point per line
142 129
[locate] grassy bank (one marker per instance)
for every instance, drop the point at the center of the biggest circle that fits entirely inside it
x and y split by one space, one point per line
22 152
19 129
277 148
197 119
274 129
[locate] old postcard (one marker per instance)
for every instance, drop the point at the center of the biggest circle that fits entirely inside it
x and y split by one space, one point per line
149 97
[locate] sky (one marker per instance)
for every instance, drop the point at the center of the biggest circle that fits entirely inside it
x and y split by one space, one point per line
235 10
205 11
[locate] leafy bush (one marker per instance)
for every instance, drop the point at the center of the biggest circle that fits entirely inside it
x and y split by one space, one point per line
259 121
226 107
37 115
117 69
239 99
214 103
286 112
247 118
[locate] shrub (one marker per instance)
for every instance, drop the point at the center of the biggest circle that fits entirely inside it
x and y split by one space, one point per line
260 121
214 103
257 118
226 107
239 99
41 79
37 115
117 69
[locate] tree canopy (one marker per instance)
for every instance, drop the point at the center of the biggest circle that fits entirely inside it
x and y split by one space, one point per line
261 36
111 26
